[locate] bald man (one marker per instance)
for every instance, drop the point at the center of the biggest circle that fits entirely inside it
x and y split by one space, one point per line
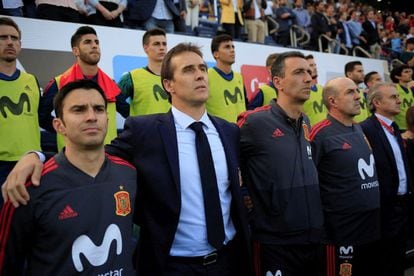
348 183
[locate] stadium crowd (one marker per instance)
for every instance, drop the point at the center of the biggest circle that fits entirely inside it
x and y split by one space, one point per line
345 26
313 180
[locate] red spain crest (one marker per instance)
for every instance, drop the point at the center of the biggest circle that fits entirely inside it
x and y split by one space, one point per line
345 269
122 202
306 131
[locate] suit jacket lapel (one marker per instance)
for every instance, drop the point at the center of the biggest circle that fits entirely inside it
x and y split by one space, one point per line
226 144
384 139
169 137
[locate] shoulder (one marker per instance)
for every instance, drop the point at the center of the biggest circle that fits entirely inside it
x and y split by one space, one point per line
253 115
119 161
319 129
145 120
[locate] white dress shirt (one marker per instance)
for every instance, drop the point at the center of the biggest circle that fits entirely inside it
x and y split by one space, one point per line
191 235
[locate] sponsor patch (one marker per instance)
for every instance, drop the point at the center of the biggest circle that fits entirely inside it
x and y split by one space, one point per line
345 269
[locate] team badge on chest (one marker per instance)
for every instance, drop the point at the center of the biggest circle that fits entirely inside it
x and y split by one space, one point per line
122 202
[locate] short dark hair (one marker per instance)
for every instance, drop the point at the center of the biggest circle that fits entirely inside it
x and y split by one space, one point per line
271 58
69 87
368 77
350 66
10 22
81 31
217 40
397 72
152 32
167 71
309 57
278 66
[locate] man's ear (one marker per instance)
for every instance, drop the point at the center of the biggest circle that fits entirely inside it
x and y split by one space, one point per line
59 126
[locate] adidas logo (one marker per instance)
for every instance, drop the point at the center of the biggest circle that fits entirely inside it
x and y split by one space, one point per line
346 146
277 133
67 212
27 88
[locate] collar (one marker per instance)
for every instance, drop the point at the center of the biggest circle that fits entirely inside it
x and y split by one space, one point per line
184 121
225 76
387 121
13 77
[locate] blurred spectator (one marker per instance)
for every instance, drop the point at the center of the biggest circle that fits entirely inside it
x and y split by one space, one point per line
232 17
371 79
355 29
396 44
371 30
12 7
180 21
301 15
402 76
107 12
389 23
285 17
193 13
344 33
153 14
333 25
320 25
254 16
410 33
58 10
29 8
407 56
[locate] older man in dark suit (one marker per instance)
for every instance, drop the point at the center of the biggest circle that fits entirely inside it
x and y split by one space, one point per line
394 179
189 203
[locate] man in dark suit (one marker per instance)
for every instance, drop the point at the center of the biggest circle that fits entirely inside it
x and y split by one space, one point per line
372 35
171 197
393 175
156 13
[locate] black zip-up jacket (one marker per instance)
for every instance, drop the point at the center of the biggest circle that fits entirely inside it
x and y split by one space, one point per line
277 167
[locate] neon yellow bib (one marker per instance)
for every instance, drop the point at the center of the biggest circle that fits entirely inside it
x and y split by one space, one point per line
19 103
226 98
269 93
407 100
364 108
314 107
149 96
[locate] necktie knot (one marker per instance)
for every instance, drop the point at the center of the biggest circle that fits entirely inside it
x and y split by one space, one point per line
197 127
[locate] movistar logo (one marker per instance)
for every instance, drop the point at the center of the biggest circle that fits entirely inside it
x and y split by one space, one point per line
96 254
318 107
407 103
159 93
277 273
346 250
15 108
365 169
232 97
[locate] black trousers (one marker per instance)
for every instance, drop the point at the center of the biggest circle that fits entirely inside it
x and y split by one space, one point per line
227 263
394 236
287 260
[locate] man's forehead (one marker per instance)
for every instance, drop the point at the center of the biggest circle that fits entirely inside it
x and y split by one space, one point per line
89 37
157 38
6 29
296 62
